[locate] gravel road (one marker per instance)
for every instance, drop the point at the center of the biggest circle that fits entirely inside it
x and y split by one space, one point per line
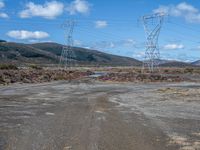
100 116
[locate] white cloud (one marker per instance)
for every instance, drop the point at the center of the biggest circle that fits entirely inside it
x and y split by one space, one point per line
3 15
2 5
186 7
129 43
103 45
184 10
24 35
77 43
49 10
125 43
39 41
101 24
173 46
139 55
78 6
33 41
112 45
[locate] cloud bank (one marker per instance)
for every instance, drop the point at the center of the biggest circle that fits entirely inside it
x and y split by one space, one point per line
188 12
48 10
24 35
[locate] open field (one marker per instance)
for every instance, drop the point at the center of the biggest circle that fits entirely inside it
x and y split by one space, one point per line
80 115
35 74
99 75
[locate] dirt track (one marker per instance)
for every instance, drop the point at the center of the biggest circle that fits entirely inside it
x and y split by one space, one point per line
99 116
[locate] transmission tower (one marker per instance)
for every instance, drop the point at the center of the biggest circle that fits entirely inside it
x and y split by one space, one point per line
67 55
152 26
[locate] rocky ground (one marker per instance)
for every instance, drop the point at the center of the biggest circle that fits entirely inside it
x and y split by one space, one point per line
138 77
81 115
40 75
130 74
29 75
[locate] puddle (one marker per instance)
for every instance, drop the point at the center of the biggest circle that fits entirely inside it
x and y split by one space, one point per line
49 114
98 74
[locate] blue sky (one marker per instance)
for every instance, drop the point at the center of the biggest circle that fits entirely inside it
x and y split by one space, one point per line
107 25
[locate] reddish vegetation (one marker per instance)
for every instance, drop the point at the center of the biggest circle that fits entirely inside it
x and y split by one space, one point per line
39 76
35 74
136 77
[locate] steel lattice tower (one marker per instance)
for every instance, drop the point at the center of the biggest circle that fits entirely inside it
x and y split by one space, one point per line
152 27
67 55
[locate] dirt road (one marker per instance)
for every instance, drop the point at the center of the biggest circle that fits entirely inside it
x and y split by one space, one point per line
99 116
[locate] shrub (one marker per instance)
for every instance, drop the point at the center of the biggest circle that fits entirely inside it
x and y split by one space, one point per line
1 80
188 70
166 70
8 67
35 67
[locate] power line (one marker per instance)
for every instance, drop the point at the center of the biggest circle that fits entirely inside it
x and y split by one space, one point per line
181 35
184 26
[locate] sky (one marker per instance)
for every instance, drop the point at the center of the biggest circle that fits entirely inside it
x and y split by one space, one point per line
112 26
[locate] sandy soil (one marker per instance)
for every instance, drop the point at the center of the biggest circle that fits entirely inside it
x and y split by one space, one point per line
100 116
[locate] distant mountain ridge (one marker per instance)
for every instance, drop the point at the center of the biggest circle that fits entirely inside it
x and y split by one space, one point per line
88 56
49 53
176 64
196 63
